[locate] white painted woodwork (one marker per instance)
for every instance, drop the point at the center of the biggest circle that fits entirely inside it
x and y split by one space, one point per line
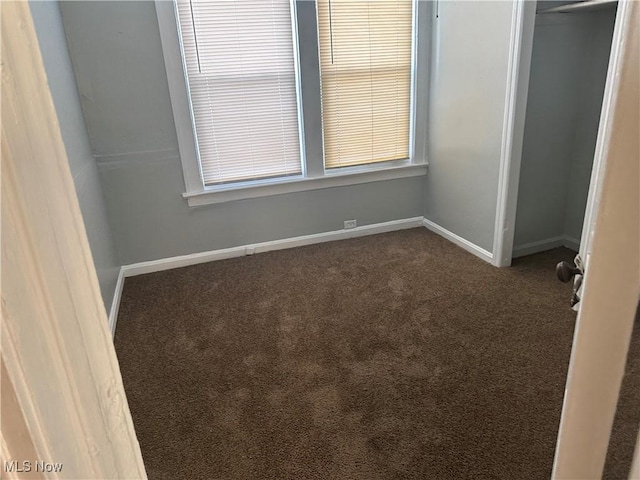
612 281
521 45
180 261
162 264
458 240
59 363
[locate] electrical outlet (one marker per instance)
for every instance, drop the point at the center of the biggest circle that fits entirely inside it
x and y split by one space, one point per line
350 224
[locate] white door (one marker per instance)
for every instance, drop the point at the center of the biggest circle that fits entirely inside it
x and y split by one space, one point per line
611 242
64 410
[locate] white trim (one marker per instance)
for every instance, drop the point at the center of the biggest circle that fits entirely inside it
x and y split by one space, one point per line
314 174
162 264
307 40
521 41
169 263
424 31
115 302
297 67
546 244
299 184
414 76
210 256
179 94
458 240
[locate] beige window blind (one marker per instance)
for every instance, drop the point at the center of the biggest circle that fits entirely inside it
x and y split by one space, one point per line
365 69
239 58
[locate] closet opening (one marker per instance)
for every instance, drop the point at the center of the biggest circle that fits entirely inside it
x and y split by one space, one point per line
569 64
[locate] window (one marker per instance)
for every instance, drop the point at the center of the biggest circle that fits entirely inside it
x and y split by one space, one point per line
280 96
239 63
365 69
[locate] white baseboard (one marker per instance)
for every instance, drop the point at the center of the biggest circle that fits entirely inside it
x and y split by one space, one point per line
210 256
213 255
546 244
458 240
115 303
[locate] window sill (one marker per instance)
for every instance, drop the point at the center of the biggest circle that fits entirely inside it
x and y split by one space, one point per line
213 195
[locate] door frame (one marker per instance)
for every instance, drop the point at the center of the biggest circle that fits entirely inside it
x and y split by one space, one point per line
519 67
513 134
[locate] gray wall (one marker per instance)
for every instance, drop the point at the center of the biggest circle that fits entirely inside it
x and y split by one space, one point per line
467 101
48 24
119 66
568 71
589 109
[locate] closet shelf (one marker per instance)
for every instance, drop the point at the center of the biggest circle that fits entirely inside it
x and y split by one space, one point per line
585 6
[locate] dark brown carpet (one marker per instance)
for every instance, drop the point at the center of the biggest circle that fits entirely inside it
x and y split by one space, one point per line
395 356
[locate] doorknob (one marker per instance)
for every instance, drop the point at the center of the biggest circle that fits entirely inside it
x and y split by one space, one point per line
565 272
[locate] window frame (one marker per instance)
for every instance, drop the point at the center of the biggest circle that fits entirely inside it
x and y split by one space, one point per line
314 175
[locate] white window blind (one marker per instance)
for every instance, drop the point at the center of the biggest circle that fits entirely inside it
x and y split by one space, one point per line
365 70
239 58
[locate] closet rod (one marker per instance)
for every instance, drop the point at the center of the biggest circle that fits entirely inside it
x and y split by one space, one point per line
580 6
